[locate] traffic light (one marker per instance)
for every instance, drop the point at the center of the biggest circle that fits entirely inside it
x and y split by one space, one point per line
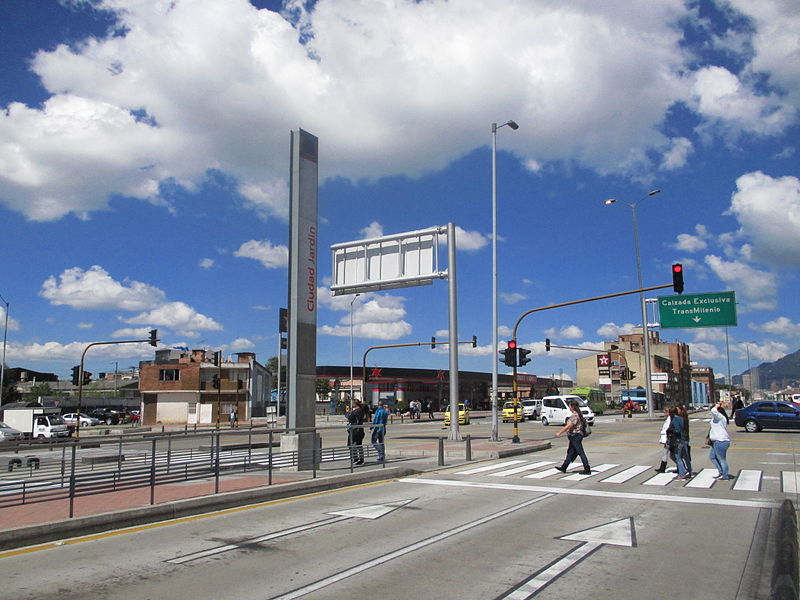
547 344
154 337
215 382
510 354
283 320
522 354
87 377
284 343
474 341
218 357
433 342
677 278
76 374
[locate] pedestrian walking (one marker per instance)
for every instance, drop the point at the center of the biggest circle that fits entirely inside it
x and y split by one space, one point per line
379 420
685 446
233 418
720 440
355 433
674 437
576 431
430 409
664 442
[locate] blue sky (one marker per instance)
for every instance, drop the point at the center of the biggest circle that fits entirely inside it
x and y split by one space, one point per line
144 164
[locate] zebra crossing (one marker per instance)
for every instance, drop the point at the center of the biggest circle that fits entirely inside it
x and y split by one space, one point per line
746 480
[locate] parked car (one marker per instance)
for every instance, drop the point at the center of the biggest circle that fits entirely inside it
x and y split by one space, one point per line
134 416
768 415
463 415
106 415
86 420
532 409
9 434
510 415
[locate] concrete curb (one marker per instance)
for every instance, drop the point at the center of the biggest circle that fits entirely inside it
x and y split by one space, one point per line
58 530
477 454
785 582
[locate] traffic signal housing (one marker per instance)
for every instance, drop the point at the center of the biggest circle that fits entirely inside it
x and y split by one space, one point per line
76 370
677 278
87 377
510 354
523 356
547 344
154 337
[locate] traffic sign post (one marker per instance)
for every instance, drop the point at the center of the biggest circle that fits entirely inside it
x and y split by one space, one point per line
697 310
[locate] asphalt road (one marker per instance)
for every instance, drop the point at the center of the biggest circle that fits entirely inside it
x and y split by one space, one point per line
495 529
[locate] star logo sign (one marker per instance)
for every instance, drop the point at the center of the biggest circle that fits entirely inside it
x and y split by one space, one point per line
603 360
440 375
376 372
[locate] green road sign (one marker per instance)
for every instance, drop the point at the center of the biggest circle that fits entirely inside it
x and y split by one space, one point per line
697 310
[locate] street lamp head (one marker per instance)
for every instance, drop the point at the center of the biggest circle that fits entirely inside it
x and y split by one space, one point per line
653 192
610 201
512 124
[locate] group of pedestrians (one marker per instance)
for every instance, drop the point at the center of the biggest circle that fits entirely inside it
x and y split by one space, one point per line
675 441
355 431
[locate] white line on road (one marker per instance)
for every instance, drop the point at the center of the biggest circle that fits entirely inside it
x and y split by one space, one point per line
704 479
523 468
790 482
748 481
595 470
617 495
661 479
626 475
501 465
322 583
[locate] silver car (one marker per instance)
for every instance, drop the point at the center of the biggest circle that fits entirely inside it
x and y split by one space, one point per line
9 434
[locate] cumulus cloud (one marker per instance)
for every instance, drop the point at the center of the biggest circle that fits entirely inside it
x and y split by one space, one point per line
178 88
54 351
132 332
781 326
241 345
373 230
375 316
768 351
96 289
704 351
758 287
693 243
13 324
206 263
175 315
512 298
613 331
272 257
768 210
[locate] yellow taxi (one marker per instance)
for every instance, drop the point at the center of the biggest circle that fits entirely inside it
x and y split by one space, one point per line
463 415
508 412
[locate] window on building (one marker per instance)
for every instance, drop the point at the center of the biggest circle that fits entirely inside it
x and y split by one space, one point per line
169 375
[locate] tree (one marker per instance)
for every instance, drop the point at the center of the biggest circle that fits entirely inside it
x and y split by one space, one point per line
39 390
272 367
323 388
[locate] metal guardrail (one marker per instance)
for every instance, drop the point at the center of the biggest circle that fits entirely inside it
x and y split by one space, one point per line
82 471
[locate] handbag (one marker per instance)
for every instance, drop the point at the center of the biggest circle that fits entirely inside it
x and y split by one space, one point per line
587 432
709 441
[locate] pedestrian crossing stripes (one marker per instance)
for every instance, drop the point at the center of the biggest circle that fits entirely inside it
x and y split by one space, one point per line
746 480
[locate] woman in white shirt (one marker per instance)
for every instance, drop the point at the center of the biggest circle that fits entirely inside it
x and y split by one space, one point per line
664 442
720 441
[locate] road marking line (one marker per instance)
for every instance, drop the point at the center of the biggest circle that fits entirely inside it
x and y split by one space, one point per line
790 482
523 468
616 495
490 467
704 479
598 469
322 583
626 475
545 473
661 479
748 481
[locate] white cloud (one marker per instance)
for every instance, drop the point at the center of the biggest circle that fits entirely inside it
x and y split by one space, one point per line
512 298
704 351
768 351
375 316
693 243
571 332
272 257
758 287
613 331
54 351
709 334
85 325
677 154
178 88
13 324
241 345
768 210
175 315
373 230
470 240
96 289
132 332
206 263
781 326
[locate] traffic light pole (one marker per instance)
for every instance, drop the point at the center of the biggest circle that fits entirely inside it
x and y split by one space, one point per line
152 340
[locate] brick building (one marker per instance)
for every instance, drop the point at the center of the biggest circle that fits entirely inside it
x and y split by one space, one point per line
187 386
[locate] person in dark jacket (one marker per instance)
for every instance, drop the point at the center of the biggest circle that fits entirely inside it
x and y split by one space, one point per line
355 433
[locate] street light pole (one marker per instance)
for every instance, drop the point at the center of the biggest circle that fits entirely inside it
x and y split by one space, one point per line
3 363
351 351
495 436
645 329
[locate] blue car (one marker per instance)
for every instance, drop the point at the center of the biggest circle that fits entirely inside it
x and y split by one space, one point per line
768 415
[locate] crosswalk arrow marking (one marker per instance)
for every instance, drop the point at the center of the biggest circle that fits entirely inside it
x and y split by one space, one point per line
374 511
616 533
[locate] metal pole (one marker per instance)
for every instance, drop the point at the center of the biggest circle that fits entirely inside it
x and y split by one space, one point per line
3 362
72 483
453 313
216 466
278 389
153 472
351 350
645 331
493 354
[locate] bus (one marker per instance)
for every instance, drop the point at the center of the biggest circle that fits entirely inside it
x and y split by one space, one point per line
639 395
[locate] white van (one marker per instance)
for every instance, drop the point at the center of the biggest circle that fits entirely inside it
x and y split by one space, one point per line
555 409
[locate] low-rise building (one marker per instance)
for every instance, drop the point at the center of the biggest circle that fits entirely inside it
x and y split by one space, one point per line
190 387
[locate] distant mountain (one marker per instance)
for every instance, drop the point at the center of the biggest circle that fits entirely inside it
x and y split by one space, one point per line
783 373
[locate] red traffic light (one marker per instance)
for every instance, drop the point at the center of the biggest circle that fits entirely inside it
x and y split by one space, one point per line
677 278
677 268
512 344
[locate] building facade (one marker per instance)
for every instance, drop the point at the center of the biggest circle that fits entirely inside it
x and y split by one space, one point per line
182 386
